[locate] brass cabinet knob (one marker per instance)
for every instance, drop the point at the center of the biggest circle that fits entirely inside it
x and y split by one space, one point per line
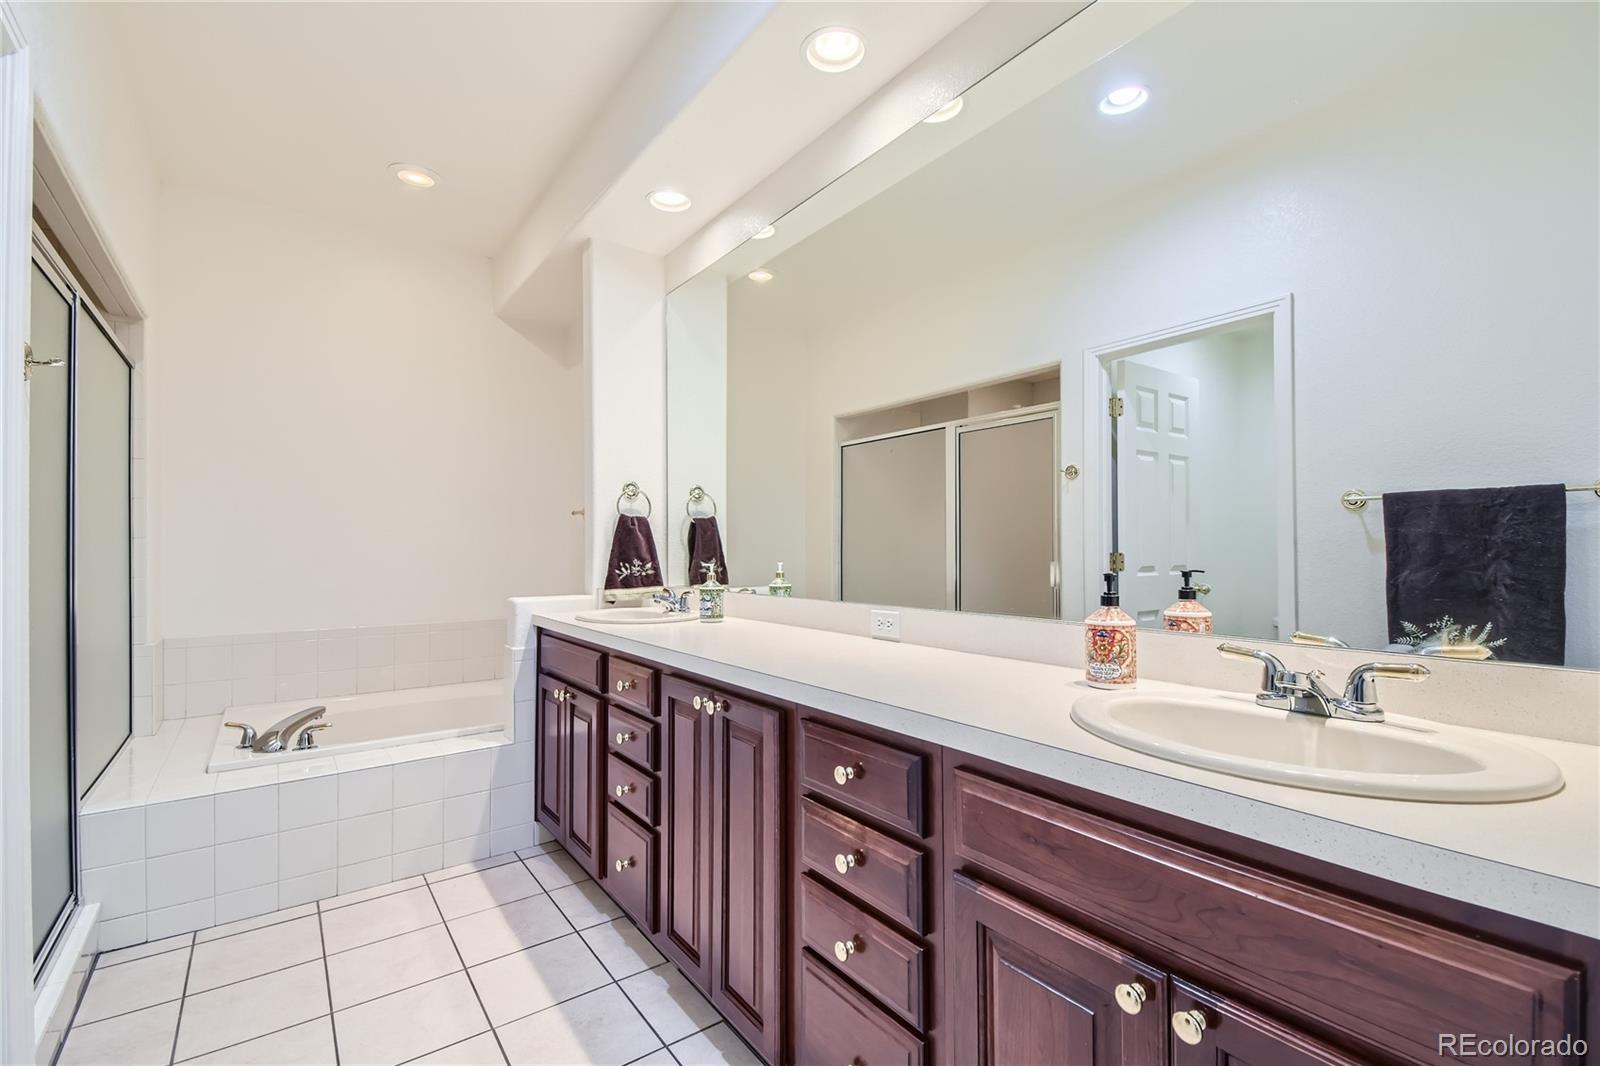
623 864
847 860
1131 996
625 684
622 790
559 695
626 737
697 702
712 705
1190 1025
843 949
845 774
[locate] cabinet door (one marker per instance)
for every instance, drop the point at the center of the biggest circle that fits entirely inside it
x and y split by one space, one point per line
1027 988
746 812
585 742
547 726
686 829
1226 1033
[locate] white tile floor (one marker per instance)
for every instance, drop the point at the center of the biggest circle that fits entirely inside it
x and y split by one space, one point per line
517 959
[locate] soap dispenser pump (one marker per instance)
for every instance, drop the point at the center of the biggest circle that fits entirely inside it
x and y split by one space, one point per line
1188 614
1110 642
779 585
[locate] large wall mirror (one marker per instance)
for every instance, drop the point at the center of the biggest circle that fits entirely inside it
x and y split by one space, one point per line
1297 298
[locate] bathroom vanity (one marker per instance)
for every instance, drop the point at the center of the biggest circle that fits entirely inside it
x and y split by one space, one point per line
845 891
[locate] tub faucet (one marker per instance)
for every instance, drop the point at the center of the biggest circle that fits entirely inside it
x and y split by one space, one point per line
674 604
1303 693
281 735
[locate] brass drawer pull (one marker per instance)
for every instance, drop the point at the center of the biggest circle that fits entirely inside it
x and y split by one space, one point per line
1190 1025
627 737
1131 996
845 861
843 775
623 864
843 949
622 789
560 695
625 684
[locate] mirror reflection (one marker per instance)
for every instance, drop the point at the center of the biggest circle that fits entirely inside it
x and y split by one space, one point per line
1314 363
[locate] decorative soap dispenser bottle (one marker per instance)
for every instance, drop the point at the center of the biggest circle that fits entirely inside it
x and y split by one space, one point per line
711 593
1111 642
1188 614
779 585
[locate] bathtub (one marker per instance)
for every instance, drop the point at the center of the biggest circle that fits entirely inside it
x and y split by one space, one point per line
361 723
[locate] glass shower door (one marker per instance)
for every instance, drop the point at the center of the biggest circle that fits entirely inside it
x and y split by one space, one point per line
49 595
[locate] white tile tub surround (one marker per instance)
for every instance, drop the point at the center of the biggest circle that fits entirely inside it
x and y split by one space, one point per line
199 676
168 848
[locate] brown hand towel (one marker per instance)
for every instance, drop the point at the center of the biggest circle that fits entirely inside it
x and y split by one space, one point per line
706 560
633 555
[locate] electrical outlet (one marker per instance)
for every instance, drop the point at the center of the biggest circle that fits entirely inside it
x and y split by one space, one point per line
886 625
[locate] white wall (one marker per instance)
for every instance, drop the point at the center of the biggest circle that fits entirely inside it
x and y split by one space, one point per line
624 390
344 433
1438 237
697 446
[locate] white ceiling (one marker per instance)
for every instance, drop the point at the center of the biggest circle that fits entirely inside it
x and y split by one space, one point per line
305 105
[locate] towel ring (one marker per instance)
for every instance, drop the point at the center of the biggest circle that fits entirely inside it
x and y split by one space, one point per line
632 491
699 495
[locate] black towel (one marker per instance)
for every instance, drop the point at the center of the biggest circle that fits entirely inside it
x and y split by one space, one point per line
706 560
1479 558
633 555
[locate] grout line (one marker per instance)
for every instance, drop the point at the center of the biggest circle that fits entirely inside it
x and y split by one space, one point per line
464 969
380 940
327 984
394 888
102 965
453 1043
76 1024
72 1019
263 1036
178 1028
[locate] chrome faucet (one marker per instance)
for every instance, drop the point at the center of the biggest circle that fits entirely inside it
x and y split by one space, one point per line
1303 693
281 735
674 604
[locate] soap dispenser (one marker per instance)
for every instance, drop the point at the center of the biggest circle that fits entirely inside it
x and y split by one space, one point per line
1188 614
1110 642
779 585
711 595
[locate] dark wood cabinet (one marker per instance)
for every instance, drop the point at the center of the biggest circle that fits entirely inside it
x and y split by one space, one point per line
685 877
1030 988
844 894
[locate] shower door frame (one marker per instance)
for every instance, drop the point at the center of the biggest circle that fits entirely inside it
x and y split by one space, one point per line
66 284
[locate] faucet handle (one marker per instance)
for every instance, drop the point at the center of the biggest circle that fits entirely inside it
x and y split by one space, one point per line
247 733
305 742
1362 685
1272 668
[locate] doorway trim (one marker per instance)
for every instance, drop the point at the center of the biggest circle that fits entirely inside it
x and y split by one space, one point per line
1097 439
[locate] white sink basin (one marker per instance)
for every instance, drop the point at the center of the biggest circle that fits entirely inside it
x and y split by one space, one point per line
1388 760
635 616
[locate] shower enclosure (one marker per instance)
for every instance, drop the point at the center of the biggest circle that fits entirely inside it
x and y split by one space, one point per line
80 675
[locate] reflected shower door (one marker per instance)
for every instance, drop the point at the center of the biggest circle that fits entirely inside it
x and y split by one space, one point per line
1006 533
49 637
892 544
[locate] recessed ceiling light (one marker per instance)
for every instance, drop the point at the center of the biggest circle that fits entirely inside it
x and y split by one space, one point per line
668 200
945 113
414 176
760 277
1121 101
835 49
764 234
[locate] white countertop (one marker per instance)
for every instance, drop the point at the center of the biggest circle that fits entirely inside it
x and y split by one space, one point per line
1539 859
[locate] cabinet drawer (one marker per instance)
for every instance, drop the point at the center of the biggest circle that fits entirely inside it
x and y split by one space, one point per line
879 781
632 685
837 1024
1381 977
581 666
631 788
863 863
877 958
633 738
630 866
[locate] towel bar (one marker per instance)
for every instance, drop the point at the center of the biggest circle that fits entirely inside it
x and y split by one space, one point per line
699 495
1355 499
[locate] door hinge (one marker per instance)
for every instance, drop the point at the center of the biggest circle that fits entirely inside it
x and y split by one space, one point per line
1115 406
1119 563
